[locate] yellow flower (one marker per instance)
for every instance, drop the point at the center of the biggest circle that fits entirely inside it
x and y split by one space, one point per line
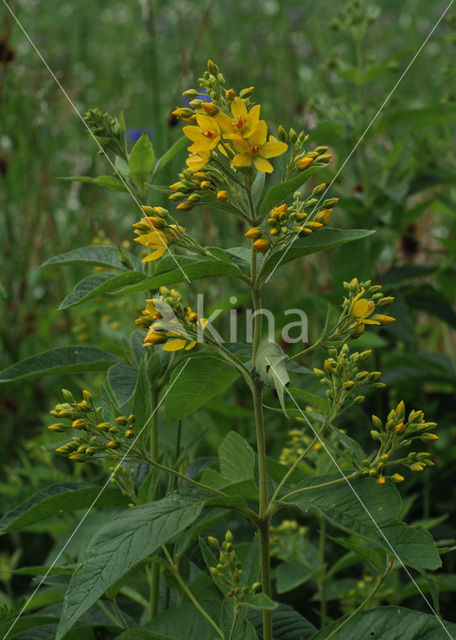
154 240
242 123
158 240
206 135
254 150
198 159
361 309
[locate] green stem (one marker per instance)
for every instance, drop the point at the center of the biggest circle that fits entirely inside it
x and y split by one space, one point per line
264 516
379 582
319 486
175 571
322 580
181 476
154 593
105 609
234 625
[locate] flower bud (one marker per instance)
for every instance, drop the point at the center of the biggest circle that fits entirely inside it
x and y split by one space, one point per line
191 93
282 134
129 433
113 444
397 478
429 437
58 427
212 68
230 95
67 395
319 188
304 163
254 233
247 92
381 480
209 108
375 435
376 422
222 196
292 135
383 319
325 158
261 245
78 424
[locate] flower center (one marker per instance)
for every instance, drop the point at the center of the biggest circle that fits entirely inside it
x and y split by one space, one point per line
208 134
254 149
239 123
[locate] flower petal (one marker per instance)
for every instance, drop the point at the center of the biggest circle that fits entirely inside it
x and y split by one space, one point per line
272 149
239 143
192 133
262 164
207 123
242 160
259 135
155 255
254 117
174 345
224 121
238 108
190 345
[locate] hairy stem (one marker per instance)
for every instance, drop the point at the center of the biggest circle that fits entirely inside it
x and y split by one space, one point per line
264 517
154 576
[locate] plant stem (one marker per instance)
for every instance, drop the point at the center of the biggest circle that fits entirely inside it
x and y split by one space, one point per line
175 571
181 476
319 486
377 585
264 516
154 593
322 580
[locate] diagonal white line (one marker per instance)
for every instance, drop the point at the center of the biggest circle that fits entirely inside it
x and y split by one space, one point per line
93 503
363 505
75 109
404 73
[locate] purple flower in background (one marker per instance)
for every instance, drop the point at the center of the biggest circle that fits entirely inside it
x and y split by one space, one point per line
203 97
134 134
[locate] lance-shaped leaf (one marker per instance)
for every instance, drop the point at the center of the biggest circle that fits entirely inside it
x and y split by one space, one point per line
98 283
60 498
318 241
142 160
202 378
390 623
126 540
368 509
96 256
270 365
59 360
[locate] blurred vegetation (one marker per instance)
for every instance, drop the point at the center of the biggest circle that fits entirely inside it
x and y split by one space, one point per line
326 67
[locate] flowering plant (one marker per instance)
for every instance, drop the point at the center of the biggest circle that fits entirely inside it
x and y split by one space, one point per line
169 510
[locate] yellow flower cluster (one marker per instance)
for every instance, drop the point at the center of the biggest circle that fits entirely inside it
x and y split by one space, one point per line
397 433
170 323
359 307
95 434
245 136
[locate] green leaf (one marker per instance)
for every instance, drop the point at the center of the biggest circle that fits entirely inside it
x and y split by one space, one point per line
59 360
111 183
317 402
258 187
237 459
142 634
343 507
202 379
24 623
359 547
98 256
284 189
126 540
291 574
141 405
169 155
98 283
259 601
60 498
141 161
287 624
122 379
193 270
185 622
319 241
390 623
